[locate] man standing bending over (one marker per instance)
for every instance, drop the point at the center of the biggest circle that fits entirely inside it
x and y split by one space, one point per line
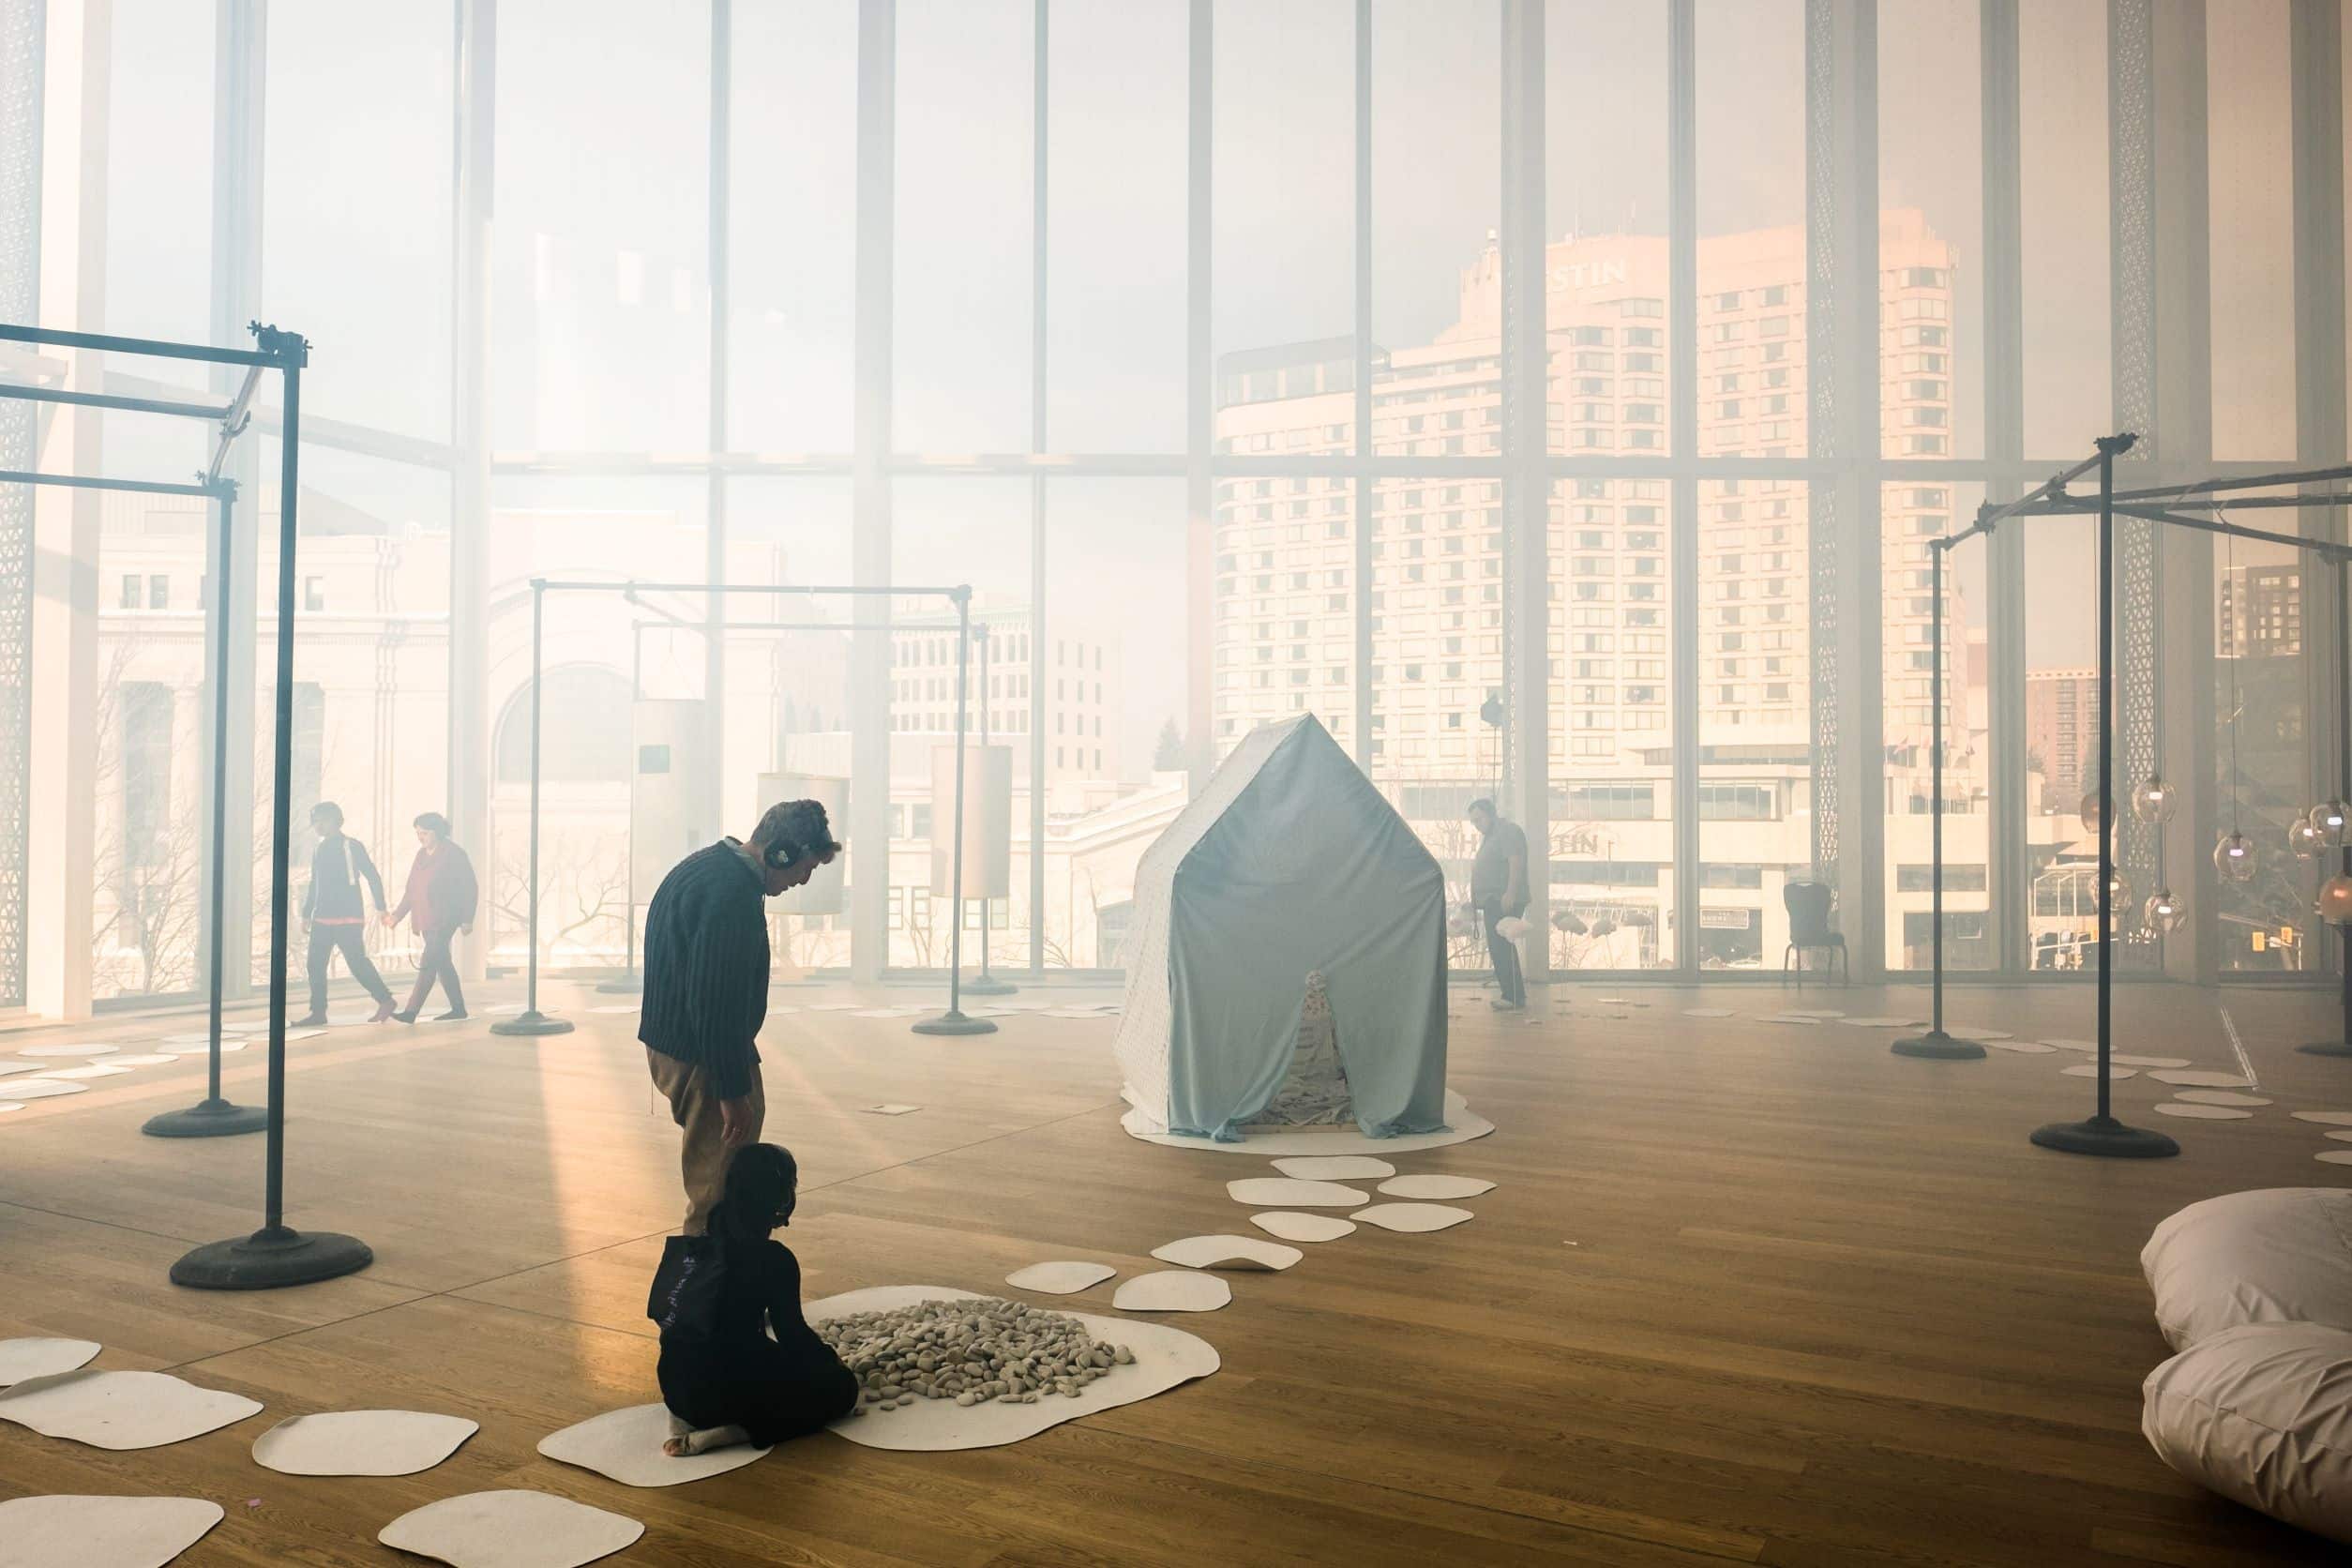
707 987
1499 889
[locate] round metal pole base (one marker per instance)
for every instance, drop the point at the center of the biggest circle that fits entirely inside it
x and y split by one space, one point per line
2317 1048
2105 1135
532 1023
989 984
207 1119
271 1258
628 984
1937 1045
953 1022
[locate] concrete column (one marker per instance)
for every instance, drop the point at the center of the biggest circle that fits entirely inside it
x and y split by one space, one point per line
1527 481
62 676
869 651
474 110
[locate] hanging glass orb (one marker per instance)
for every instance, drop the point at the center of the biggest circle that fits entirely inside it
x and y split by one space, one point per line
2335 900
2094 812
2305 840
2329 818
2234 856
2163 911
2155 801
2118 891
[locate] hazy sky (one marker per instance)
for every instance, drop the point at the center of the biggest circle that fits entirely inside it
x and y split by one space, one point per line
600 303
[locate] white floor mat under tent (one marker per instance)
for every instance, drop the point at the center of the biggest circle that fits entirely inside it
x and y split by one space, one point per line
1461 1125
1165 1358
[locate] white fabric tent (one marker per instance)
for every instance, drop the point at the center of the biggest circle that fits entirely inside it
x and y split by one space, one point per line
1287 863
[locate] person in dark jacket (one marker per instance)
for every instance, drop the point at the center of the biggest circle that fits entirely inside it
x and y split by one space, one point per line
726 1380
338 919
440 900
706 986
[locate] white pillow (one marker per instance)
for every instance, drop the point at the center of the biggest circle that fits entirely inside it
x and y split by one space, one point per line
2263 1415
2277 1255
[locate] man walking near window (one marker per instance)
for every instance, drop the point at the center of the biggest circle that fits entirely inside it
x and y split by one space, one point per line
338 920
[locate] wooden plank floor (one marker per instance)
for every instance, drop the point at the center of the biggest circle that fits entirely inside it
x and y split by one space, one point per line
1747 1291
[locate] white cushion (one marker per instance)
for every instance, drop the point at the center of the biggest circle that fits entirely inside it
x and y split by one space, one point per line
2263 1415
2278 1255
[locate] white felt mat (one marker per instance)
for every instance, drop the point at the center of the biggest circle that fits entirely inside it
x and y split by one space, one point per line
2151 1061
1462 1124
2022 1047
1878 1022
2335 1156
1333 1167
2064 1043
2090 1069
88 1070
2340 1135
294 1035
1436 1186
1970 1032
2202 1113
1063 1277
1227 1252
121 1410
510 1529
1303 1228
625 1446
1164 1357
833 1006
1412 1216
2326 1118
1812 1013
1707 1013
201 1039
1173 1290
199 1049
890 1012
1278 1192
2219 1097
1806 1019
48 1052
139 1061
43 1089
361 1443
6 1106
2201 1080
614 1007
20 1359
8 1067
101 1531
891 1109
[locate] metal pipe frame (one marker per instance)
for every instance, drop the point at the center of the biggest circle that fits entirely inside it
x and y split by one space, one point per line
532 1021
107 399
100 343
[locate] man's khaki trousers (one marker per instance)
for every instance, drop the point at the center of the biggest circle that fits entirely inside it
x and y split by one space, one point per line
694 1106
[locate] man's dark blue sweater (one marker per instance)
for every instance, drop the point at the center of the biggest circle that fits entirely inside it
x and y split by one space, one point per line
706 966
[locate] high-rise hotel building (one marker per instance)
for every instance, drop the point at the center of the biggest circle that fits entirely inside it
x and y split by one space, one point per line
1283 634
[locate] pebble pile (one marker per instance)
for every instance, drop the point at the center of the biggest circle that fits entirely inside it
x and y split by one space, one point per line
970 1351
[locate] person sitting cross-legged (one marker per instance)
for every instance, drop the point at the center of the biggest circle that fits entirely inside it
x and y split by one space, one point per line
718 1296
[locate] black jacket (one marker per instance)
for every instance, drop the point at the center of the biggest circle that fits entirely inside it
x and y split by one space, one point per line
706 967
338 867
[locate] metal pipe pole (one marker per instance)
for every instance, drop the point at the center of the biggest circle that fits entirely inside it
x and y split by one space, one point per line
277 1255
2103 1134
986 984
953 1021
213 1116
1935 1044
531 1021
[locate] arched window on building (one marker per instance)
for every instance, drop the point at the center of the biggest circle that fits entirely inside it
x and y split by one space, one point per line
583 728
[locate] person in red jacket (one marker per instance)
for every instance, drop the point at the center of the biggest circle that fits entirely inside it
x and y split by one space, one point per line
441 896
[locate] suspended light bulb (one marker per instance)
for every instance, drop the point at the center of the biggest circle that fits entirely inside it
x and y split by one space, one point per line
2155 801
2304 839
2234 856
2163 911
2094 812
2335 900
2118 891
2329 817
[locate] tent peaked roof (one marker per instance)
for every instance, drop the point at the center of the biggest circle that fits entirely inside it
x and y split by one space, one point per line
1316 751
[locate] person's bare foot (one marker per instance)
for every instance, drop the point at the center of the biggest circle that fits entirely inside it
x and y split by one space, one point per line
691 1444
